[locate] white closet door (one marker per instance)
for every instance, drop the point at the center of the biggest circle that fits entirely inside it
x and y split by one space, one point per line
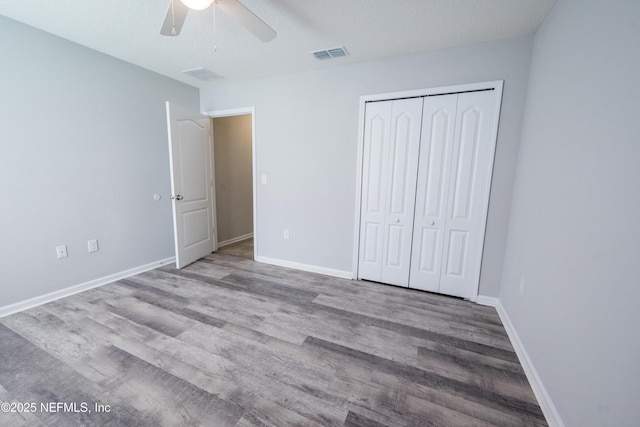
392 142
404 147
438 127
468 193
377 131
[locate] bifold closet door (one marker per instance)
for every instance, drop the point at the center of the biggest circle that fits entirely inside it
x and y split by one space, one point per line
434 174
452 192
390 167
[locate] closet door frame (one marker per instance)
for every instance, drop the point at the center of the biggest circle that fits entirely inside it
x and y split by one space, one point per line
491 85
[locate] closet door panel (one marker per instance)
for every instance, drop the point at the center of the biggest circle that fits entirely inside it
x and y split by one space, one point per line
404 145
438 126
372 243
457 243
428 257
374 184
467 198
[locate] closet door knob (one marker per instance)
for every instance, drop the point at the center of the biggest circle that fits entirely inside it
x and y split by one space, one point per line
432 223
397 220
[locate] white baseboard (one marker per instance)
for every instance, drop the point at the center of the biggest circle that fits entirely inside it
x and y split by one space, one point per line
544 400
234 240
52 296
490 301
306 267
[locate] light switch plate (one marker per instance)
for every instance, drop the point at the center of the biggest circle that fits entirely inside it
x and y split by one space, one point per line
92 245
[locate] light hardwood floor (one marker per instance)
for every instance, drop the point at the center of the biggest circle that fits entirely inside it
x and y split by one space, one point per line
231 342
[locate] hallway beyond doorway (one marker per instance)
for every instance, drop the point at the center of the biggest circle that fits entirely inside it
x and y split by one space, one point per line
243 248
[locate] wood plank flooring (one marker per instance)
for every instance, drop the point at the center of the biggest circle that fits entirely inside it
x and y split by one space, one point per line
231 342
243 248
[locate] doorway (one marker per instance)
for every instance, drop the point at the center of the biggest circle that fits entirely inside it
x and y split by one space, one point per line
234 174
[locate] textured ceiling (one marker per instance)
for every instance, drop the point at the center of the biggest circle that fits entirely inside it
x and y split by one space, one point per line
369 29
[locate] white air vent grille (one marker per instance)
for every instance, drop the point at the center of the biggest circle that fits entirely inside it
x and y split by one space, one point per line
202 74
334 52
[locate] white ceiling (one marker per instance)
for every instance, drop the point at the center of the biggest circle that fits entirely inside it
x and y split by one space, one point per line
369 29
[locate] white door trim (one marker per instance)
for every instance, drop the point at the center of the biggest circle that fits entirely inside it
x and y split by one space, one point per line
496 85
239 112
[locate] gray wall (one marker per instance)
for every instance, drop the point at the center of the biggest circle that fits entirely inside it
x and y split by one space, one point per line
307 136
234 176
84 147
575 224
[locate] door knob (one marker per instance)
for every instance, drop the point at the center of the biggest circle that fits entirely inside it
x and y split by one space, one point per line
397 220
177 197
432 223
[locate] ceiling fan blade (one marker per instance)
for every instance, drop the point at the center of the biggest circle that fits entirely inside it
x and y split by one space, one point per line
175 17
247 19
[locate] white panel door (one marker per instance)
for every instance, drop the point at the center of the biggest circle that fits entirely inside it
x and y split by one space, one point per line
467 199
436 146
392 142
374 185
191 183
404 147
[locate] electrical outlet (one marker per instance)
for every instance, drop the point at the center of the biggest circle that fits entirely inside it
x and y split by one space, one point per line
285 234
61 251
92 245
521 285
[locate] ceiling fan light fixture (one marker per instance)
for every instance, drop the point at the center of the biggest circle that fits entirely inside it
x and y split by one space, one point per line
197 4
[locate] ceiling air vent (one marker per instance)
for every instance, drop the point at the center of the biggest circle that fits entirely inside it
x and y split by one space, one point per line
202 74
335 52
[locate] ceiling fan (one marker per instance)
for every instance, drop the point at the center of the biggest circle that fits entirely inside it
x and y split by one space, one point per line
178 9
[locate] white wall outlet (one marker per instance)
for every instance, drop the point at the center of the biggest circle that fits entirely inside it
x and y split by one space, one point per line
264 178
92 245
285 234
61 251
521 285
